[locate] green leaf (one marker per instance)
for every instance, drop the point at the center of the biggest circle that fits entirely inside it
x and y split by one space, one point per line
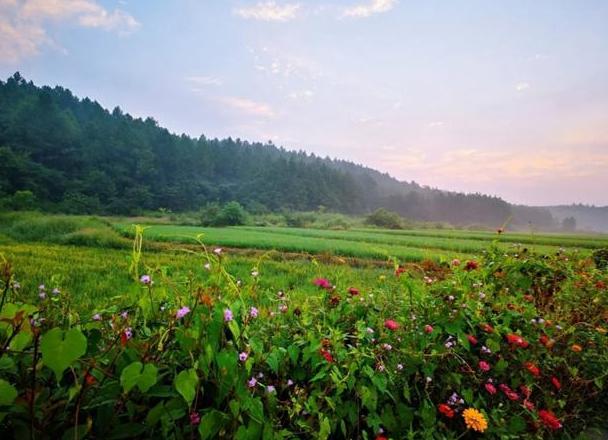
274 359
211 423
8 393
517 424
59 349
185 384
21 341
324 429
144 376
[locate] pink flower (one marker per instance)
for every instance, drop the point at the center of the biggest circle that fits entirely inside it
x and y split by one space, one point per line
253 312
428 328
182 312
228 315
195 418
391 325
484 366
490 388
243 356
322 283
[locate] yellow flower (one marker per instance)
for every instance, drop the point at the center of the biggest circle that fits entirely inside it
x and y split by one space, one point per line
474 420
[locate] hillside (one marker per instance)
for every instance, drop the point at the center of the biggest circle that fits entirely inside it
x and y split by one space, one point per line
78 157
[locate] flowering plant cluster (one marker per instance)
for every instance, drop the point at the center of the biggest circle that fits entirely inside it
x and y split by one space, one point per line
507 346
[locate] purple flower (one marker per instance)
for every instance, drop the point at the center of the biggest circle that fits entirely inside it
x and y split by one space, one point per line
182 312
195 418
56 291
227 315
145 279
96 317
252 382
128 333
41 287
486 350
253 312
270 389
289 382
42 294
243 356
124 314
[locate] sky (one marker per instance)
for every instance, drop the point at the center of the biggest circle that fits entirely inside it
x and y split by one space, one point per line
508 98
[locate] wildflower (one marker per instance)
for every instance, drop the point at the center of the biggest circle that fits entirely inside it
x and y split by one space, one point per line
260 375
429 379
556 383
400 269
217 251
381 437
532 368
549 419
16 285
511 395
323 283
387 347
487 328
451 298
128 333
182 312
124 314
455 262
327 355
576 348
353 291
254 273
490 388
145 279
485 350
89 379
474 420
281 294
228 315
369 330
283 308
41 287
455 399
334 300
399 367
484 366
529 405
270 389
428 328
526 391
243 356
56 291
472 339
96 317
380 368
253 312
207 266
450 342
391 324
471 265
517 340
289 382
252 382
445 410
42 294
195 418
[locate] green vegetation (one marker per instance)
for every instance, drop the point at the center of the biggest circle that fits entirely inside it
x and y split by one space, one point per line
186 341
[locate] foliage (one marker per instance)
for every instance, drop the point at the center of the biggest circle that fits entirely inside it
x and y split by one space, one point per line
384 219
513 345
76 157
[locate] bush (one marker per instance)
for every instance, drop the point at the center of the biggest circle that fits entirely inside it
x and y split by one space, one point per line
384 219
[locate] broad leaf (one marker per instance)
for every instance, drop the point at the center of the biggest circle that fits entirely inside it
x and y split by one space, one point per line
185 384
59 349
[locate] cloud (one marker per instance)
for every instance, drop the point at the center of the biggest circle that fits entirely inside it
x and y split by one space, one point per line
435 124
203 80
301 95
23 24
269 11
520 87
248 106
370 8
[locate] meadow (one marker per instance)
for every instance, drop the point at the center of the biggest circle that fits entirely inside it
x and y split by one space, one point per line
167 331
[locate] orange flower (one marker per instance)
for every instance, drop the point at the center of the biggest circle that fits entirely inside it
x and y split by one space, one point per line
576 348
475 420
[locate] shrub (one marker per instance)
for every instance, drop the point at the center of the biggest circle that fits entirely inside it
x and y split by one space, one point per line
384 219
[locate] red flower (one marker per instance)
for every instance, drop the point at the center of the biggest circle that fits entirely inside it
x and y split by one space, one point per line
399 270
543 339
525 391
471 265
532 368
327 355
472 339
556 383
381 437
600 285
511 395
446 410
529 405
549 419
89 379
490 388
517 340
391 325
428 328
353 291
487 328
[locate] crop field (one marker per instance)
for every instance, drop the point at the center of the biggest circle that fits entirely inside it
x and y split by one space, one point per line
376 244
111 331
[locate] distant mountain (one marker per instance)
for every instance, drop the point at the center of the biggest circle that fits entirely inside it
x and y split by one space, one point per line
78 157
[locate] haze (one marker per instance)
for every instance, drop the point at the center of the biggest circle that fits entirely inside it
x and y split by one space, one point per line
504 98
